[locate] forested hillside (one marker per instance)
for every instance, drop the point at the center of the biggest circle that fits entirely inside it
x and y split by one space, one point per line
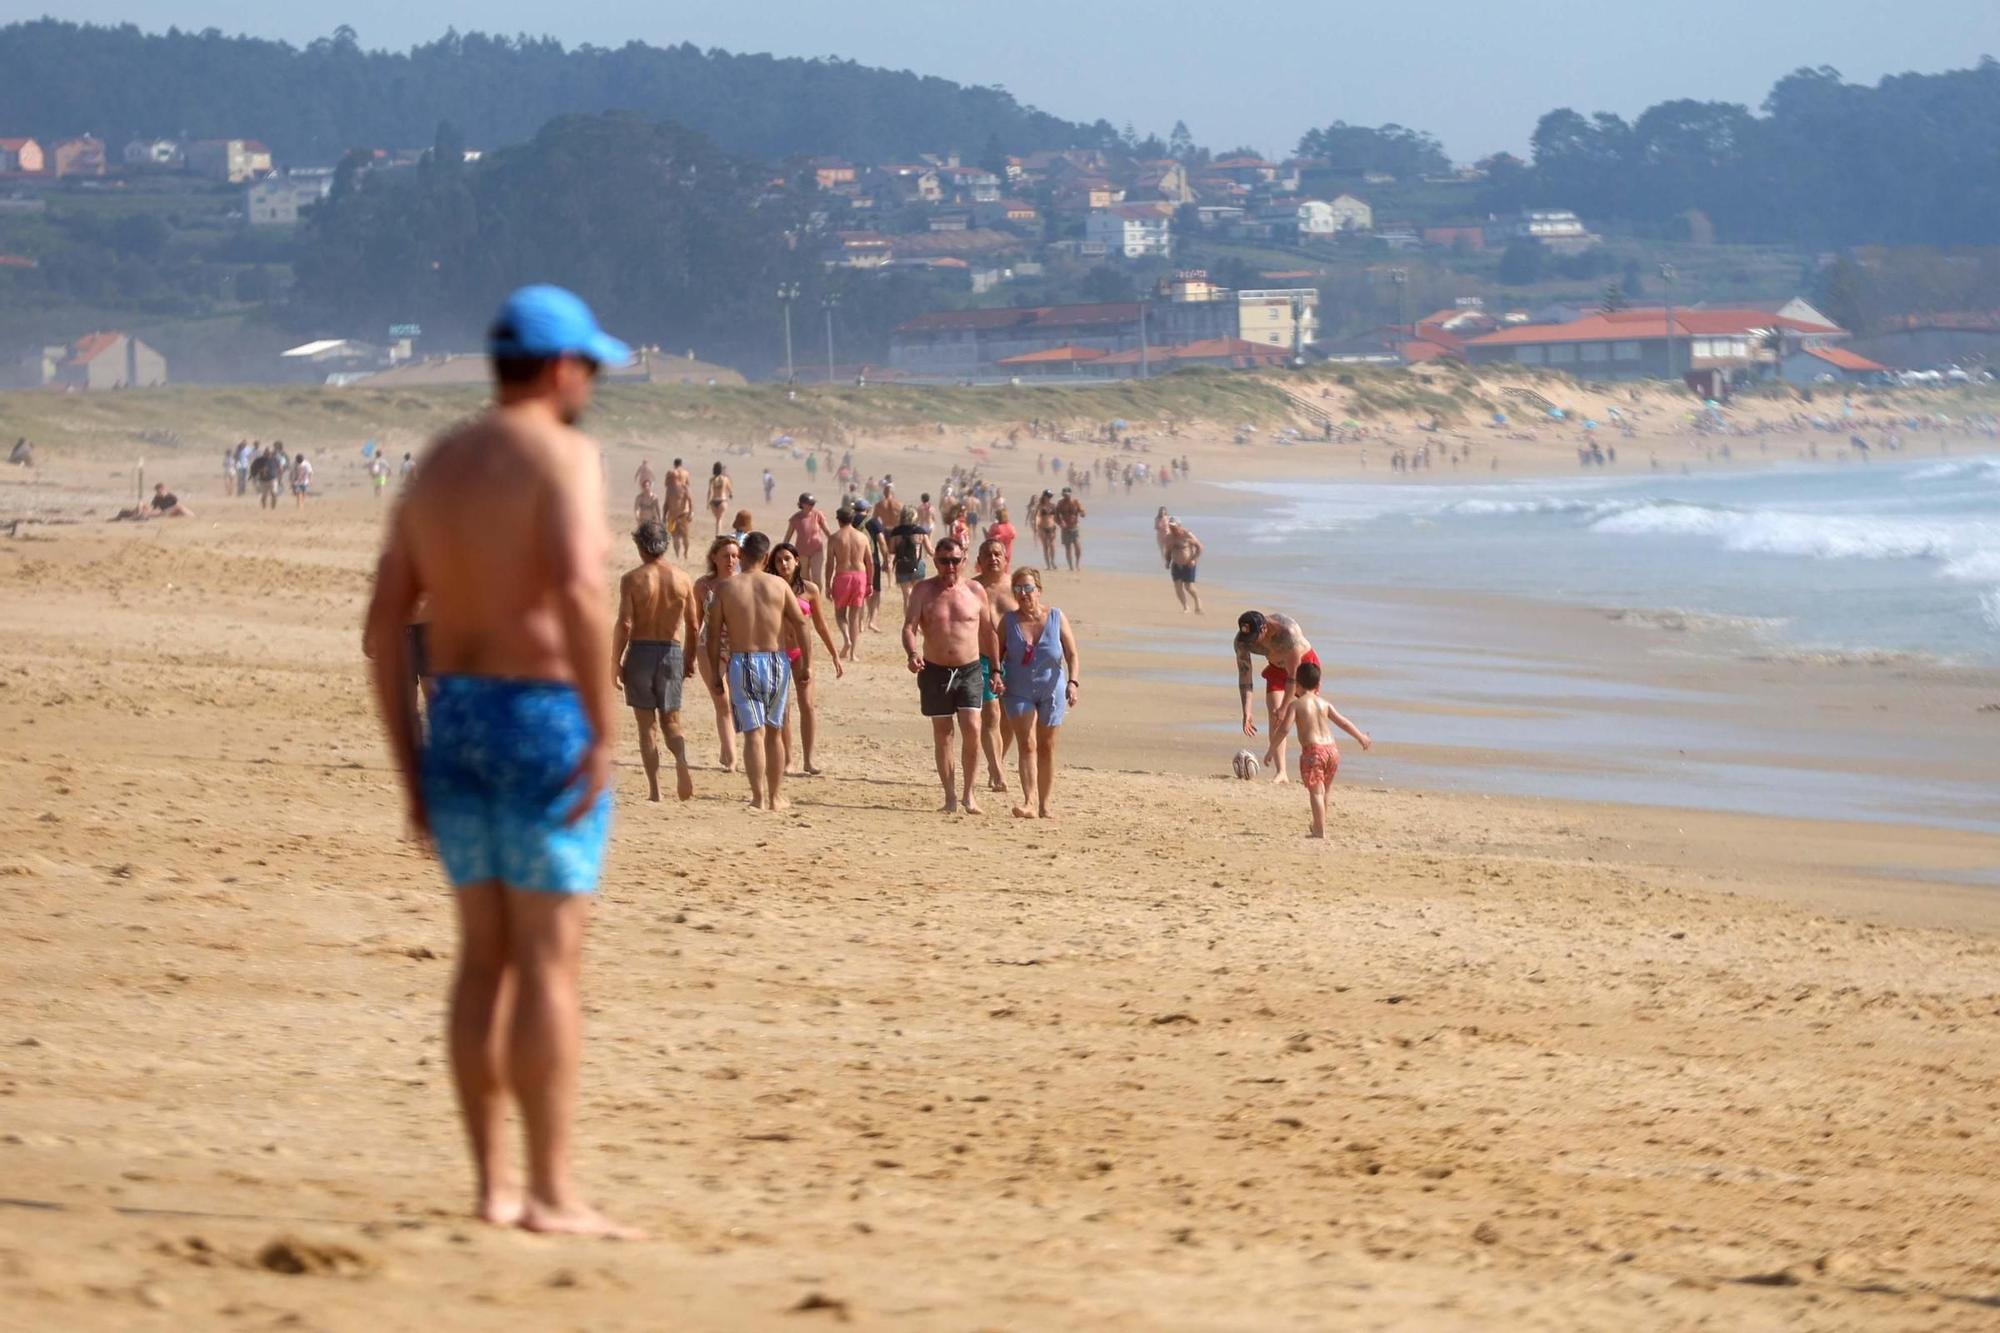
313 104
1914 160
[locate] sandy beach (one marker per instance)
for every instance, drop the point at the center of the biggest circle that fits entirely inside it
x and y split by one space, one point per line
1478 1061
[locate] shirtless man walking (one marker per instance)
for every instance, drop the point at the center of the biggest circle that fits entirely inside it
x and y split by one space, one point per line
502 536
1183 551
1283 645
679 507
993 577
755 608
957 628
1069 518
848 556
649 653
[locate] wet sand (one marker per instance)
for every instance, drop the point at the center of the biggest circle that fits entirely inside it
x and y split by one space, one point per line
1476 1062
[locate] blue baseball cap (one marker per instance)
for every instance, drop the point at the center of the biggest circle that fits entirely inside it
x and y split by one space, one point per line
549 321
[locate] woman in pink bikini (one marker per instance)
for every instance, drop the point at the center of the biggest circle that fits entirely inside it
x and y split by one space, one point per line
785 563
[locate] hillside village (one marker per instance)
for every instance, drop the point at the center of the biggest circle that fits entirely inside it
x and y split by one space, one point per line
978 230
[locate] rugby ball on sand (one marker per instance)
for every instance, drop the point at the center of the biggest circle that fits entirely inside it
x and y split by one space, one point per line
1246 764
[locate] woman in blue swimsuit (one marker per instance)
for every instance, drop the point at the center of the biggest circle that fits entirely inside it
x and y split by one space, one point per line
1039 664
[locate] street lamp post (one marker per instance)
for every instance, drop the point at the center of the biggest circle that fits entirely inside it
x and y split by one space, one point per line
788 292
827 303
1668 275
1401 278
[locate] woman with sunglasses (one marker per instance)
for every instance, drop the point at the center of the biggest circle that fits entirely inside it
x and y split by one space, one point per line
1038 655
723 557
785 563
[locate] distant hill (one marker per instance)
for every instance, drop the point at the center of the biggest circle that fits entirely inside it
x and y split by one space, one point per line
312 104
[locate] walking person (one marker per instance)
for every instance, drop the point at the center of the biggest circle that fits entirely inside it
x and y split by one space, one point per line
503 538
649 652
994 735
1042 674
947 627
909 547
1069 519
847 556
756 610
1183 552
723 559
720 493
784 562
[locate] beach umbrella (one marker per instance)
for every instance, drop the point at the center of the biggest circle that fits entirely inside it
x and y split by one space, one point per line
368 449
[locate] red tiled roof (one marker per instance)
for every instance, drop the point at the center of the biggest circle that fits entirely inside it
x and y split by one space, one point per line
14 145
1416 353
91 346
1737 319
18 261
1207 349
1024 317
1053 355
1647 325
1846 360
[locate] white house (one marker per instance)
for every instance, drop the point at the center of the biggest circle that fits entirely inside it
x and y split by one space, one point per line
165 153
277 202
1133 230
1352 214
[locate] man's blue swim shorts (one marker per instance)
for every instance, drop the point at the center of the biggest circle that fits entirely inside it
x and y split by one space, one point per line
496 776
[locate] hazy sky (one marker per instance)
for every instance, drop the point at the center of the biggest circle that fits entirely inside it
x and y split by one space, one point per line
1475 73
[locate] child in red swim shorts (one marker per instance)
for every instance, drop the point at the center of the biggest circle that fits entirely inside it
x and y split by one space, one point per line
1319 759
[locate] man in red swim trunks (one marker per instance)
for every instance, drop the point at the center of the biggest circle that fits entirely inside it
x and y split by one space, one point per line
847 556
1282 644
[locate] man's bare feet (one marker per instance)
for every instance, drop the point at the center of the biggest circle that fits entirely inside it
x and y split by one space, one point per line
970 805
1023 812
502 1208
575 1221
756 803
655 795
950 806
812 772
1045 813
997 784
781 803
684 783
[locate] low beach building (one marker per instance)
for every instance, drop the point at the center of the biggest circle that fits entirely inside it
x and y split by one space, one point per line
1734 344
1831 365
96 361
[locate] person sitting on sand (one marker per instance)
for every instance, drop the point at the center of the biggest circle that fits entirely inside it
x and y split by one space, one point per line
957 627
650 650
502 536
23 453
1319 758
163 504
755 609
1279 640
1041 671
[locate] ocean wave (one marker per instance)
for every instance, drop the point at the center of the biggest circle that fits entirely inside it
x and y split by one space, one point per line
1984 469
1964 547
1540 505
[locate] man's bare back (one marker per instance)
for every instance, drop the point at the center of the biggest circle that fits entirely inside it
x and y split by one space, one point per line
848 549
660 600
752 609
504 510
